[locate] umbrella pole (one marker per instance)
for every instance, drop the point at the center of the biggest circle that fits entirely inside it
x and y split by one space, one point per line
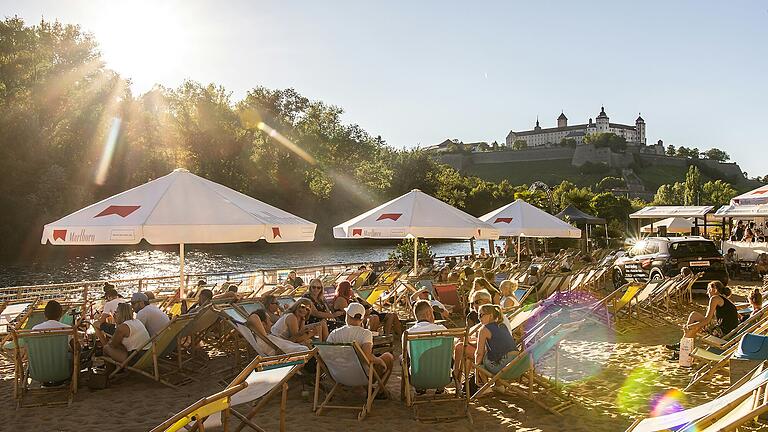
416 256
518 250
472 247
607 244
182 291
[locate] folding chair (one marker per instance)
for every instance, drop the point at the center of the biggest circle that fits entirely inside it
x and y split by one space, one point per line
522 366
715 409
49 360
346 365
148 362
427 364
262 379
448 295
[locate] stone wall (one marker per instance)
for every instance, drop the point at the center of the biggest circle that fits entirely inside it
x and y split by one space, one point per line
538 154
730 170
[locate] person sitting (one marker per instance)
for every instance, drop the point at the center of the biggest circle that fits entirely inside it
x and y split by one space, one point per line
508 300
720 318
130 335
420 294
532 278
53 313
738 231
205 297
425 322
293 280
483 254
480 283
259 323
731 262
154 319
495 345
272 307
110 306
755 301
230 293
761 264
749 233
292 324
320 310
353 331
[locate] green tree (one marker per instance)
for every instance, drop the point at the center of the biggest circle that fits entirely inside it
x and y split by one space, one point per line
671 151
616 143
519 144
670 194
568 142
581 198
692 186
609 183
611 207
716 155
717 193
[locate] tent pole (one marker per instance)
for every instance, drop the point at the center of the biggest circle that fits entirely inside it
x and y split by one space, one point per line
472 247
182 291
518 249
416 256
607 243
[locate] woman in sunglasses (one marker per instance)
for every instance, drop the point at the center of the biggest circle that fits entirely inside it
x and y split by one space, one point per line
320 311
292 324
345 295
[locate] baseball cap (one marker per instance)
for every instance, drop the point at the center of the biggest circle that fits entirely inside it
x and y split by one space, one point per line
354 309
139 297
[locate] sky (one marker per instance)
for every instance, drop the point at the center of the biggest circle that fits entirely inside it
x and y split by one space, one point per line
418 72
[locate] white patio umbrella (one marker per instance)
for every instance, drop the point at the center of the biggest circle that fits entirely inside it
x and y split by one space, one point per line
415 215
753 197
673 225
178 208
520 219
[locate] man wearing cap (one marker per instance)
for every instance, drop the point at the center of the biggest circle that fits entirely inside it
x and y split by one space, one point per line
150 315
355 332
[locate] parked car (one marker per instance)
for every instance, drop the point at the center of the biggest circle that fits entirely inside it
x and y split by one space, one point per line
661 257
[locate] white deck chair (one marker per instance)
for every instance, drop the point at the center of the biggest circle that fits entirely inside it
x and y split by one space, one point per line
347 366
738 392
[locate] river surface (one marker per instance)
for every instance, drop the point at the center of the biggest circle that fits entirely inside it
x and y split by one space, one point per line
62 264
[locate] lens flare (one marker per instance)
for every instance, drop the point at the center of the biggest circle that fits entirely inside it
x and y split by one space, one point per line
637 389
277 136
109 150
667 403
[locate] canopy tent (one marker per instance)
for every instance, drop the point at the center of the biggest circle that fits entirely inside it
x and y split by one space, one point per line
413 215
753 197
577 217
673 225
520 219
178 208
742 211
661 212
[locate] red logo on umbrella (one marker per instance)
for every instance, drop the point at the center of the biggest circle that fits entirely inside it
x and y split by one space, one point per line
357 231
501 219
122 211
758 192
276 232
59 234
392 216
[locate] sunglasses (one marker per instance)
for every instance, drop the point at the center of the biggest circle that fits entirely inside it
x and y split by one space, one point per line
305 307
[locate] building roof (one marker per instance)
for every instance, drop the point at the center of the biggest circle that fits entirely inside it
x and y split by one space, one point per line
579 127
639 119
577 216
661 212
621 126
602 113
562 116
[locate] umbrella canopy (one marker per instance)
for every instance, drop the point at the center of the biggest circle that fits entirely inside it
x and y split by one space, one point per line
178 208
753 197
673 225
576 216
414 215
522 219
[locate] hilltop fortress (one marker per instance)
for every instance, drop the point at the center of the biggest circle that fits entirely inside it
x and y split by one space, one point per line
564 145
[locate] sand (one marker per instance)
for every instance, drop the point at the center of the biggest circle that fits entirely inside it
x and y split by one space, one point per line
612 377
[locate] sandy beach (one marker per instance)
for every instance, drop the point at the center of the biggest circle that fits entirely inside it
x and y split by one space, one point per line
612 377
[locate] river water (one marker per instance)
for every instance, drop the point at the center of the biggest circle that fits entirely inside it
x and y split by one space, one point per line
62 264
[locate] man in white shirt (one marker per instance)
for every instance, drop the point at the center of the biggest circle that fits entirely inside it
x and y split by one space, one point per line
53 313
110 306
355 332
154 319
425 318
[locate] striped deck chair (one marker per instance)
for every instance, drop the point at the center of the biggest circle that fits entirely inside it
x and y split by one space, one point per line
49 359
428 364
261 380
523 366
715 409
732 418
347 366
152 362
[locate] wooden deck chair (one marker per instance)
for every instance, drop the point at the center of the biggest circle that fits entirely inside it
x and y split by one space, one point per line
347 366
150 362
427 364
621 307
14 317
448 295
523 367
731 419
716 408
714 362
747 326
267 346
361 279
49 359
261 380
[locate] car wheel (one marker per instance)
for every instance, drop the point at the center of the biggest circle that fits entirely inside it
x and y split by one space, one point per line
618 278
656 276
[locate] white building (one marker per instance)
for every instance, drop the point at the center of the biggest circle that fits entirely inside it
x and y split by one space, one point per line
548 136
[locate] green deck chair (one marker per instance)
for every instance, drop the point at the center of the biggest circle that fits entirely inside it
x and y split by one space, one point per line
427 364
49 360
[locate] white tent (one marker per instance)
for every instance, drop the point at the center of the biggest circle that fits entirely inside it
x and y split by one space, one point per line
415 215
520 219
743 211
178 208
753 197
673 225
